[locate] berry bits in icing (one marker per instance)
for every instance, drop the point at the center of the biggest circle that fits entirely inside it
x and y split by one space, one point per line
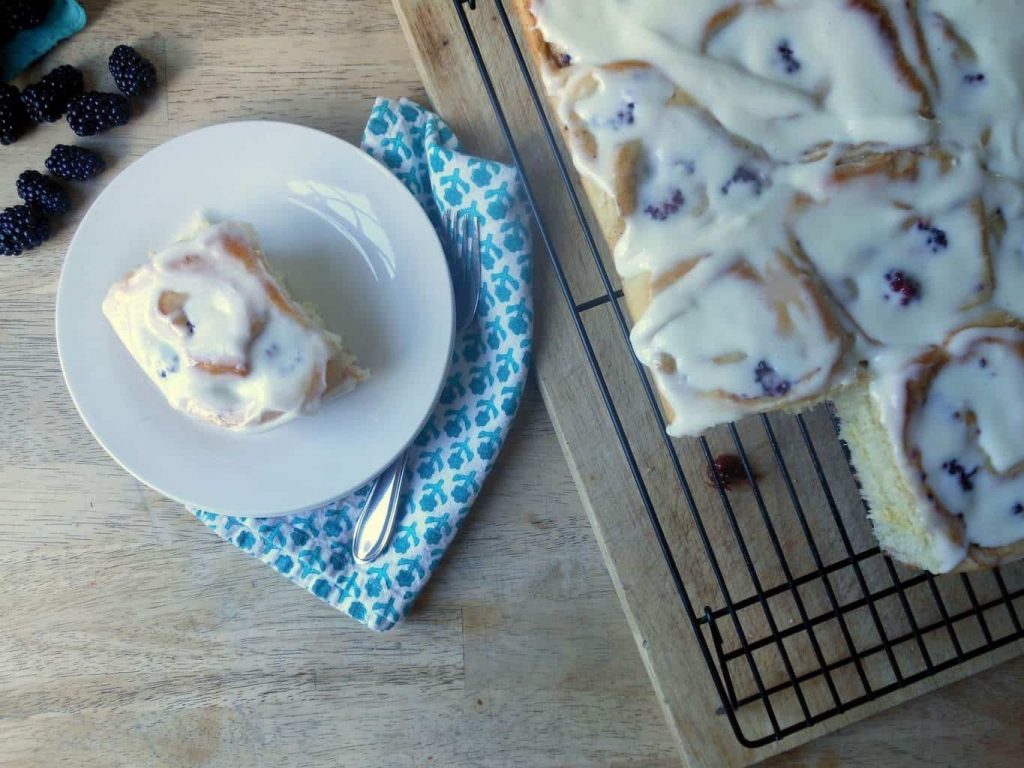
216 332
797 217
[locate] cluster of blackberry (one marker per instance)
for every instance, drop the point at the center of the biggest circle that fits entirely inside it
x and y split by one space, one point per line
61 92
26 226
47 100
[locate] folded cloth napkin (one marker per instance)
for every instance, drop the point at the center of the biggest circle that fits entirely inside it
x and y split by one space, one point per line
65 18
457 448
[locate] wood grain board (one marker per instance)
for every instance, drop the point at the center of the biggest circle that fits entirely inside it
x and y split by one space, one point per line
791 582
131 636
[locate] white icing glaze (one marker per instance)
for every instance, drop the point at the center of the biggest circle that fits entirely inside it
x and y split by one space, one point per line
876 146
719 374
960 444
913 274
979 68
215 331
1008 249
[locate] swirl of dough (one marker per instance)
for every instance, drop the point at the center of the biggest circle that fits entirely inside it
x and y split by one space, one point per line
214 329
962 445
922 267
674 173
703 336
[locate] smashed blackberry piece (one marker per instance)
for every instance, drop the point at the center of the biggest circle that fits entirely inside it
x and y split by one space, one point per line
789 62
959 471
904 286
663 210
746 175
936 239
771 382
729 469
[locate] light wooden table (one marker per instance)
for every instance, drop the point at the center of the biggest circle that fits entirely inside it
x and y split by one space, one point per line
131 636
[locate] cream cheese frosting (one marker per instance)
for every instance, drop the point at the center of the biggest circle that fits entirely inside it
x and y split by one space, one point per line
951 416
216 332
818 192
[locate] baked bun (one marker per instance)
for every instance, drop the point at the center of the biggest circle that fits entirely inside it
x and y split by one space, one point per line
938 451
216 331
798 218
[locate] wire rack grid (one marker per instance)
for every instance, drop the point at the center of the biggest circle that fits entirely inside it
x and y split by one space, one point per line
798 614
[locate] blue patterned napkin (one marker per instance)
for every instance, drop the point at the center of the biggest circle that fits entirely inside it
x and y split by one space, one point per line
455 451
65 18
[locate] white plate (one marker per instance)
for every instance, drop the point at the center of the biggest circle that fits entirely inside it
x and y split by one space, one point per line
346 236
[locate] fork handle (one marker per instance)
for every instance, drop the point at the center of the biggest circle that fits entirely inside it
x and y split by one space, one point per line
380 512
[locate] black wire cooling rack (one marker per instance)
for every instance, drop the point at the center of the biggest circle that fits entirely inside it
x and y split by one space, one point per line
828 622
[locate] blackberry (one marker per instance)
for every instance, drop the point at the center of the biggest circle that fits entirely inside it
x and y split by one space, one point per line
95 112
22 228
936 239
13 119
33 187
730 471
771 382
963 476
903 285
47 100
667 207
744 175
790 63
24 14
133 74
74 163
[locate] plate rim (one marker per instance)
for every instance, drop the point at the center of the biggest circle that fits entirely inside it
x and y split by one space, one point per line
378 167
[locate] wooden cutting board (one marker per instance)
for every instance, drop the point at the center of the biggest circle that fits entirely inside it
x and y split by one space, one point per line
790 602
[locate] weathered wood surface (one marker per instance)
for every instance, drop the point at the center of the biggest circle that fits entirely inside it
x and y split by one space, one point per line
130 636
733 523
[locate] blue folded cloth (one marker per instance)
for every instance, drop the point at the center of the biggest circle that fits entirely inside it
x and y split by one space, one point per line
456 450
65 18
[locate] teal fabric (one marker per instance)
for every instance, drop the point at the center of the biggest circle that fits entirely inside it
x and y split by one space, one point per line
456 450
66 17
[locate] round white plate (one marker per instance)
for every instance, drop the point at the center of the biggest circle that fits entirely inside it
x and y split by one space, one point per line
345 235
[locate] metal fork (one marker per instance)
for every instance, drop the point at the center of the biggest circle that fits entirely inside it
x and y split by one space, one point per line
460 238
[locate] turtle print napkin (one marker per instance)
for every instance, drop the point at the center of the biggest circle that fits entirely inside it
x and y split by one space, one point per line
452 456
